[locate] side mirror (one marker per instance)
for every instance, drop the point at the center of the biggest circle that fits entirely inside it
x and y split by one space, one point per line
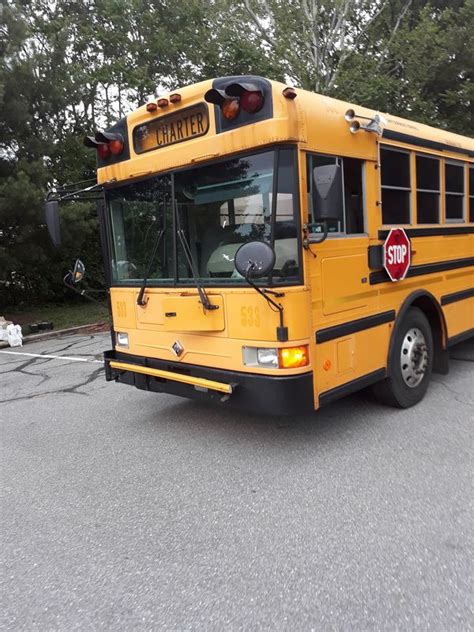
78 272
51 214
254 259
328 192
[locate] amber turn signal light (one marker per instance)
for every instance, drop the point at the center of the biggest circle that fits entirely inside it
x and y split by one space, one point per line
293 357
230 108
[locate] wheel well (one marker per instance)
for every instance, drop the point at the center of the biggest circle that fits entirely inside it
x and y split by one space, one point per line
428 304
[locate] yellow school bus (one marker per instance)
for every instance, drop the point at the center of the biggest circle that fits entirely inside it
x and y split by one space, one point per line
245 228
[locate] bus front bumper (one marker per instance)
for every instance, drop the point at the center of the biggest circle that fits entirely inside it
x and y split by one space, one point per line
277 395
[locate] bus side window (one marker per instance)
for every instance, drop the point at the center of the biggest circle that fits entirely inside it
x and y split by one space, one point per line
471 193
454 191
349 219
396 186
428 189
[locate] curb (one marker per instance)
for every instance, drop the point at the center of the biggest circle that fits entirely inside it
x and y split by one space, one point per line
59 332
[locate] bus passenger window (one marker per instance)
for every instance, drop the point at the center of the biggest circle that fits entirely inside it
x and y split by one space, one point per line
427 190
471 193
454 187
395 167
349 218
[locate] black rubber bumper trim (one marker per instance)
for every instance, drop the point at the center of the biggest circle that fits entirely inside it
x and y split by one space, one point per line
427 268
433 232
337 331
401 137
351 387
275 395
457 296
465 335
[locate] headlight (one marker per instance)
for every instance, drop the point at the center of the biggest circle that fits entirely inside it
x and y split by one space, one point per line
265 358
281 358
122 339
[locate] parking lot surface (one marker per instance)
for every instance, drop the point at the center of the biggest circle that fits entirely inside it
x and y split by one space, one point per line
126 510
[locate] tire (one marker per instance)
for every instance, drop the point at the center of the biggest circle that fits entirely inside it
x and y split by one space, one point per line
410 362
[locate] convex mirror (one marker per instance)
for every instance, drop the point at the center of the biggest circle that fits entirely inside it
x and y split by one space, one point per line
51 214
78 272
254 259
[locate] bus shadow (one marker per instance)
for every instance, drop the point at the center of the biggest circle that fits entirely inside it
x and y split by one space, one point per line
356 414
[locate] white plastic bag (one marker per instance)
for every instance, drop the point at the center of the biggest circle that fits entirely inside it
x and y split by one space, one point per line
14 336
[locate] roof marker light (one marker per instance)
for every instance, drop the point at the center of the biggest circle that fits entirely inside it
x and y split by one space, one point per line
175 98
162 103
151 107
289 93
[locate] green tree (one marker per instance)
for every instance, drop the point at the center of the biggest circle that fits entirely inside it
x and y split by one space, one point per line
36 149
424 71
70 67
407 57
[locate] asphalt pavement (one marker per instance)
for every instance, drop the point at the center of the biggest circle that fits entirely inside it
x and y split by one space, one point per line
126 510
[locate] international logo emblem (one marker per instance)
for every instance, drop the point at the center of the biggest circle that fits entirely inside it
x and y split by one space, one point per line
177 348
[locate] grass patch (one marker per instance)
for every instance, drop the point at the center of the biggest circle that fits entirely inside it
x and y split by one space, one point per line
62 316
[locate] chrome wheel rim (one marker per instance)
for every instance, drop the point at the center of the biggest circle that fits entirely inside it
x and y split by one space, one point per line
413 357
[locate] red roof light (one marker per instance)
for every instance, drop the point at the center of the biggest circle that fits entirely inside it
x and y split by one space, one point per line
103 150
251 101
116 147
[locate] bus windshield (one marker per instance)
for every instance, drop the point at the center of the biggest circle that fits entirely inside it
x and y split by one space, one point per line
218 207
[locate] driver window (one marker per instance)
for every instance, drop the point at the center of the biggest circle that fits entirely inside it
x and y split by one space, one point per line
347 216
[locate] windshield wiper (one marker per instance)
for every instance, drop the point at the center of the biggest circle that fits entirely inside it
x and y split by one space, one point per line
206 303
140 298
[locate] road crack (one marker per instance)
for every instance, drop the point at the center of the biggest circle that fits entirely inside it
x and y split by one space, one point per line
68 389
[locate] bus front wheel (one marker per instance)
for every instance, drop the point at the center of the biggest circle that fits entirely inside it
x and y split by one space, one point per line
410 362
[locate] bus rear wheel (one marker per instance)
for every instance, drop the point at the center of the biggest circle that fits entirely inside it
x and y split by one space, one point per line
410 363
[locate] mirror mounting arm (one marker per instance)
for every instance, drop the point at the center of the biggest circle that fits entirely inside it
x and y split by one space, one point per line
282 331
277 294
83 293
307 241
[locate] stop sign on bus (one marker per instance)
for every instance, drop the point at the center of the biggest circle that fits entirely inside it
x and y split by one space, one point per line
397 254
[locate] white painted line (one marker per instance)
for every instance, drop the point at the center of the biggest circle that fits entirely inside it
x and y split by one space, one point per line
51 357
